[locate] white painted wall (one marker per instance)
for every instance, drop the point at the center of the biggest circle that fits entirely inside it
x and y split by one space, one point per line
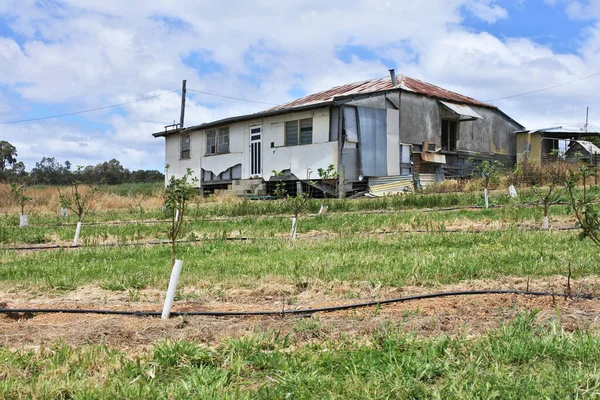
320 154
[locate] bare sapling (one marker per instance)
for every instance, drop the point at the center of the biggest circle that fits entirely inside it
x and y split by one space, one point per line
551 176
582 205
79 201
296 205
490 173
18 194
177 196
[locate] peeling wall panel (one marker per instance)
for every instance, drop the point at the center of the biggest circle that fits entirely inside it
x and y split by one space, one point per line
298 158
222 162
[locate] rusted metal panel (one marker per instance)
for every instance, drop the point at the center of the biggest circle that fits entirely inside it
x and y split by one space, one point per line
377 85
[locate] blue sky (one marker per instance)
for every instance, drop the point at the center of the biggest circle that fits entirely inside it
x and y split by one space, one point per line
61 56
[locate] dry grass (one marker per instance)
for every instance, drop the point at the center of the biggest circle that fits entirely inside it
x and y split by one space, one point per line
461 185
46 199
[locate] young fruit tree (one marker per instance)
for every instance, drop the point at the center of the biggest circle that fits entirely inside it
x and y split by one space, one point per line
582 205
296 206
79 201
551 175
177 196
18 194
490 173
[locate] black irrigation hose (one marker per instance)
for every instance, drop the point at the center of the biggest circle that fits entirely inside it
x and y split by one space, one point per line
155 243
306 311
283 216
245 239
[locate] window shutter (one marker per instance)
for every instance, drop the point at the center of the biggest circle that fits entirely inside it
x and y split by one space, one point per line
306 131
291 133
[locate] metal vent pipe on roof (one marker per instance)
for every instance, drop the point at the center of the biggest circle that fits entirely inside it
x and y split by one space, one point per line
393 76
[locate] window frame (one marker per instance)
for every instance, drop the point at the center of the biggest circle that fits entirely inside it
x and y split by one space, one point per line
299 131
449 144
185 146
217 141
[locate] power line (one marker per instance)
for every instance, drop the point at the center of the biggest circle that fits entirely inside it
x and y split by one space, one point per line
232 98
547 88
87 111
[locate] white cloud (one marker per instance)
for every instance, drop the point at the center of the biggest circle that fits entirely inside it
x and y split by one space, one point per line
89 53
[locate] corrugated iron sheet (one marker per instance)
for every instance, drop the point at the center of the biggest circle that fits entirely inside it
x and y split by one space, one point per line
588 146
462 110
390 185
385 186
381 84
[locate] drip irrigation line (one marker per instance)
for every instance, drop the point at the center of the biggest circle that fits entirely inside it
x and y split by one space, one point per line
305 311
284 216
153 243
245 238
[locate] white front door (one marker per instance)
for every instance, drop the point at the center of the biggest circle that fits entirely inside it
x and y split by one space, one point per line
255 151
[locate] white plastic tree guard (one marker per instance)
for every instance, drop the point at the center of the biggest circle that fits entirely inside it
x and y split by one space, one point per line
294 225
170 297
23 220
77 232
485 195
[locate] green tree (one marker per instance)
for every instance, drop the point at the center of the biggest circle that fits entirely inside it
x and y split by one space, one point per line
49 171
8 155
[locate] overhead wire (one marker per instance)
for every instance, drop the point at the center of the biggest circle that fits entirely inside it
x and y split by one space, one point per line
544 89
129 102
231 97
89 110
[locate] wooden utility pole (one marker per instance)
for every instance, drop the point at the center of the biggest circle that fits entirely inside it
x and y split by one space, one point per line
183 91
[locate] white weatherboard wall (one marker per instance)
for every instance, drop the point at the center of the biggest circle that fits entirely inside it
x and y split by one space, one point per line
239 141
320 154
177 165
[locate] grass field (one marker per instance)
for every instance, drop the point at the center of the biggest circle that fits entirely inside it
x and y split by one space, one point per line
391 365
484 347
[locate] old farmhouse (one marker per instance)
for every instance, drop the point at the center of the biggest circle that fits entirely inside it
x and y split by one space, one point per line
377 133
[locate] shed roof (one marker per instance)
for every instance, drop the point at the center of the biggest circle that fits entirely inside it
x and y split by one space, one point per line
568 129
590 147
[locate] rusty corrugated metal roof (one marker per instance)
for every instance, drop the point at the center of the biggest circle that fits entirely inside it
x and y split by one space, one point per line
377 85
327 97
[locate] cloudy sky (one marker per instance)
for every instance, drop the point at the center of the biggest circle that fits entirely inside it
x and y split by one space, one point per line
64 56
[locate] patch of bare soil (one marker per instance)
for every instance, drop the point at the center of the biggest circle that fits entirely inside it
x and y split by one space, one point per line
470 315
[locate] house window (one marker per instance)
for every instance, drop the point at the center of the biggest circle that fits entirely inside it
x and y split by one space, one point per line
185 146
449 134
217 141
298 132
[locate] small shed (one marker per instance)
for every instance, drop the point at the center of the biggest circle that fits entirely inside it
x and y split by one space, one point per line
539 145
582 150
